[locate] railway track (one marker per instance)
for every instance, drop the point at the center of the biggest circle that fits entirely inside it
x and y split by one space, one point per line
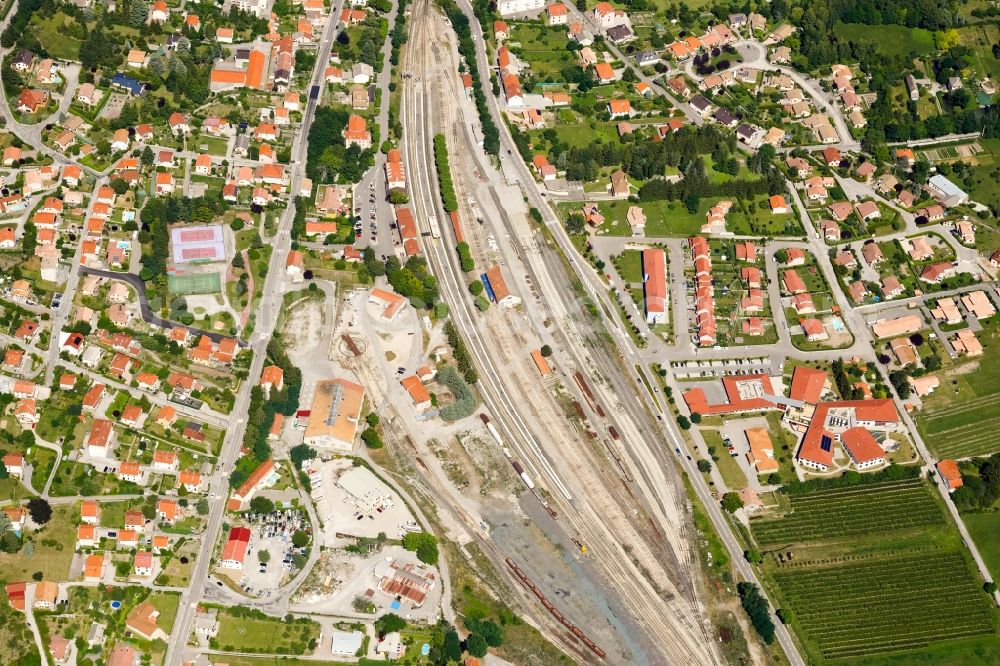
605 516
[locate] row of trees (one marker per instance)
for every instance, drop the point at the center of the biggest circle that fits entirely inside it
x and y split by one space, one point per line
461 353
262 412
755 605
448 197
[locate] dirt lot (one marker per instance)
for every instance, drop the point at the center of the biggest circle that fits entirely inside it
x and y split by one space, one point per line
338 579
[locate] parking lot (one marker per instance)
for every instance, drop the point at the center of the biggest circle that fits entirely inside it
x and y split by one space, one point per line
363 509
272 532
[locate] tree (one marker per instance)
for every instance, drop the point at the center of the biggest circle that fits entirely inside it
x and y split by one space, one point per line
138 13
261 504
300 539
389 623
202 507
546 351
695 417
157 67
683 422
755 606
371 438
704 466
147 156
424 544
731 502
40 510
452 646
476 287
786 615
300 453
753 556
264 556
476 645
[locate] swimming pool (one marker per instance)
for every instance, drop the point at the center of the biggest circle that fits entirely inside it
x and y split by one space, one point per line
837 324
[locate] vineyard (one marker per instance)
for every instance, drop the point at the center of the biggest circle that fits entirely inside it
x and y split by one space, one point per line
845 512
886 604
962 429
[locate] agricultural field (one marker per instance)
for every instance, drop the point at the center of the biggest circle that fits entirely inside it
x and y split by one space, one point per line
904 602
960 418
875 573
846 512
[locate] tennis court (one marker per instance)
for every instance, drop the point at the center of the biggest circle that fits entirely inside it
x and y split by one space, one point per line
198 283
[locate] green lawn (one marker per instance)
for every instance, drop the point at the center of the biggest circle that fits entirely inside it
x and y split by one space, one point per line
166 603
663 218
113 514
630 266
732 475
889 39
543 47
985 531
212 145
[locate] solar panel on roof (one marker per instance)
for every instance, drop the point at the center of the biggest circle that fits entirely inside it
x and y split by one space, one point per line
826 443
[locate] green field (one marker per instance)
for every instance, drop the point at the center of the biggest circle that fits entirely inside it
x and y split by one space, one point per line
544 48
58 44
195 283
889 39
888 604
980 39
166 603
263 634
53 549
985 531
961 419
847 512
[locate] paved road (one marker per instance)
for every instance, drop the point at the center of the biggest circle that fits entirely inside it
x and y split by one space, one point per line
147 314
266 318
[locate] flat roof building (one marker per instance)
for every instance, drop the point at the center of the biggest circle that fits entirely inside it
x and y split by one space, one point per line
334 416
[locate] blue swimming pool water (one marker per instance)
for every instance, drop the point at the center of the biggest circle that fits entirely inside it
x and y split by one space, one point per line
838 324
